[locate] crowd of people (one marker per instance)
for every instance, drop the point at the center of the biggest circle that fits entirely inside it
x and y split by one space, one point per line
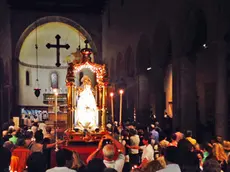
124 149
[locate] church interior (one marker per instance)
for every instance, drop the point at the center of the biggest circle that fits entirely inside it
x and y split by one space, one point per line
172 60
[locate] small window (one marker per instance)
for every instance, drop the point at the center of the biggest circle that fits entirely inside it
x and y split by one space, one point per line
27 78
81 74
54 80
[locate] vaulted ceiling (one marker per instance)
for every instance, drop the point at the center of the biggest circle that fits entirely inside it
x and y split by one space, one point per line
70 6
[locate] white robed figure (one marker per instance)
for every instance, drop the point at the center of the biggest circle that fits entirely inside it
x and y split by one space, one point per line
86 116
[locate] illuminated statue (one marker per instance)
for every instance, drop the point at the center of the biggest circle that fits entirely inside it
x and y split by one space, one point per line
86 116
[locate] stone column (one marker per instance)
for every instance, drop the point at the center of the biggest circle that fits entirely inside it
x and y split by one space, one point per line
221 93
142 97
158 93
184 94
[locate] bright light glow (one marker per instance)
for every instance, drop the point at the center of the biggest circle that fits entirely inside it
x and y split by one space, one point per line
149 68
205 46
121 91
111 94
55 90
86 113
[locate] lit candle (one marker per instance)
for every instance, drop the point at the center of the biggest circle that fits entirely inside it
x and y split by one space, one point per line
112 108
121 93
56 108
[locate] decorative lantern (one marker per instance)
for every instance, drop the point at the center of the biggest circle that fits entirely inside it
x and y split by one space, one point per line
37 92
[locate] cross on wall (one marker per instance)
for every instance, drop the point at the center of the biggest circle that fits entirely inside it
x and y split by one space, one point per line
58 46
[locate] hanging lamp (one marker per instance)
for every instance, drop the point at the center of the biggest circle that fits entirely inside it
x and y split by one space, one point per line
37 90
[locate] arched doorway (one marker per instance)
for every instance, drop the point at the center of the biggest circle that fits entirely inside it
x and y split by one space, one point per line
41 32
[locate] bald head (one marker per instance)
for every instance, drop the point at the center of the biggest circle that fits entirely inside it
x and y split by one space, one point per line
108 151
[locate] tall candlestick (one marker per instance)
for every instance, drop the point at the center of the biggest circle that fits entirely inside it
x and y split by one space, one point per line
121 93
56 107
112 107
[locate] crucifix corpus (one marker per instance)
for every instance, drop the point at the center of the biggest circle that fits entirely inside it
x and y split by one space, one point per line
58 46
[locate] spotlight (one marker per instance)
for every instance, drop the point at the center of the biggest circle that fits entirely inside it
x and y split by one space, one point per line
205 46
149 68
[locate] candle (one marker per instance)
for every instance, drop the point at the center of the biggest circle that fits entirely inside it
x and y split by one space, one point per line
121 93
56 108
112 108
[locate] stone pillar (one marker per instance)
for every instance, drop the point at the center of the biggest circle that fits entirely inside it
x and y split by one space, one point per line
142 97
184 94
221 93
158 93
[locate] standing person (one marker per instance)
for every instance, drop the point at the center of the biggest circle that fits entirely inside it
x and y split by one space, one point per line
154 134
5 162
61 163
148 152
134 153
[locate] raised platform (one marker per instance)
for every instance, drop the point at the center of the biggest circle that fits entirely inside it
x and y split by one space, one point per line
72 136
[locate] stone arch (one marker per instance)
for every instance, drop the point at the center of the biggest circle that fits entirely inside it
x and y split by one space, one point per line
143 54
199 38
162 45
49 19
129 62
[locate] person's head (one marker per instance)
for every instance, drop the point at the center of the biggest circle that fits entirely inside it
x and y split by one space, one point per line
189 133
170 154
9 145
211 165
219 139
153 166
61 158
20 142
68 157
36 162
108 151
28 135
146 140
48 129
38 136
132 132
96 165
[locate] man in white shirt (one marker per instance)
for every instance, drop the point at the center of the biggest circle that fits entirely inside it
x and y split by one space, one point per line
61 162
148 151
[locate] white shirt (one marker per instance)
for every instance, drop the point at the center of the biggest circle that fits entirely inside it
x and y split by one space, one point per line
117 164
134 141
148 152
171 168
60 169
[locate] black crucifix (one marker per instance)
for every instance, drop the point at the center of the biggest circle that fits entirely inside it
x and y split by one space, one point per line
58 46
